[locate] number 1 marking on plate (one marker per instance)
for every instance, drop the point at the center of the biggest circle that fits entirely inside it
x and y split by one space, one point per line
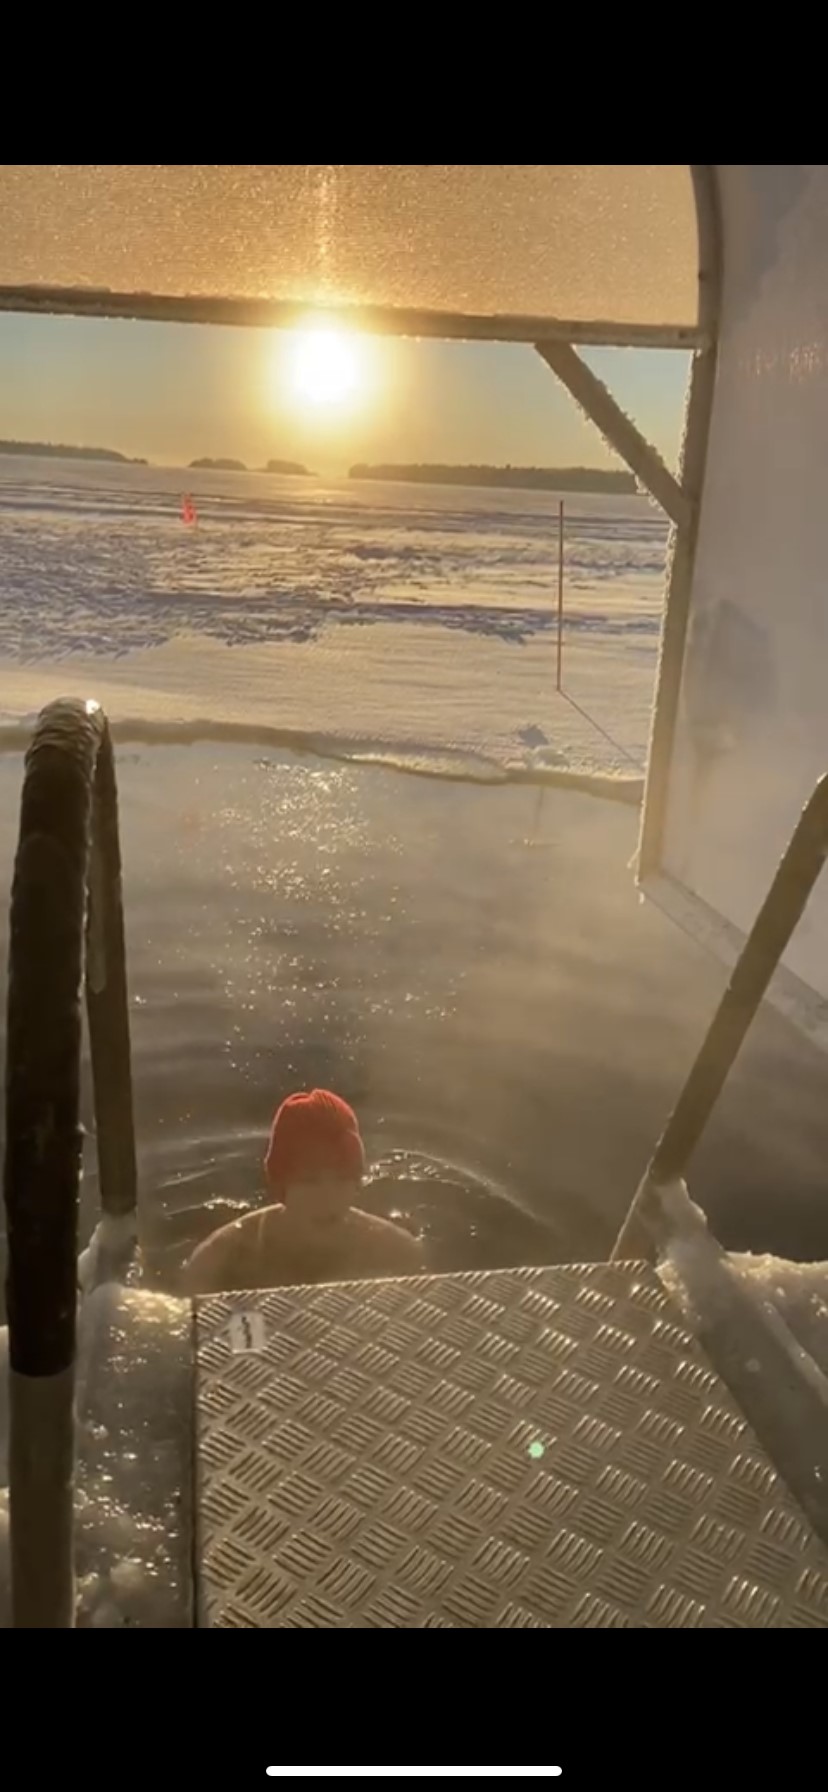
247 1332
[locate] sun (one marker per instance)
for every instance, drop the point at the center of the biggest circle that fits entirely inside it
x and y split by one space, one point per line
326 367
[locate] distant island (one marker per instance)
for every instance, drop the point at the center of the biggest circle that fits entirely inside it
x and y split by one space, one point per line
207 464
545 479
221 464
60 451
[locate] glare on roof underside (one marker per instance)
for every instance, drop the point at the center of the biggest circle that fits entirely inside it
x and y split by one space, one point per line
571 242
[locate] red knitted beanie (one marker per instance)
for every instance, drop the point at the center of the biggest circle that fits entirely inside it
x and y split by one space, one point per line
313 1135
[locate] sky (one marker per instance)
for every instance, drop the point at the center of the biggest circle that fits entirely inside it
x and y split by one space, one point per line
171 393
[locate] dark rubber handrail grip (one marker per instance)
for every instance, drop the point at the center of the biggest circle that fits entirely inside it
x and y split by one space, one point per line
66 907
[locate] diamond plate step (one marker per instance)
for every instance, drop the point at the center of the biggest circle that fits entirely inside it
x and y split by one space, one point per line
539 1448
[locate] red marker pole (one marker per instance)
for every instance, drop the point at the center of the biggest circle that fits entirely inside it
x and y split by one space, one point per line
560 590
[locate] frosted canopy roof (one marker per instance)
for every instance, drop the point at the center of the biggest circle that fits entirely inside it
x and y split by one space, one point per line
609 242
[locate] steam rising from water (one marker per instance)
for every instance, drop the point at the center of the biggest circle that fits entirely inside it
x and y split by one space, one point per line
510 1011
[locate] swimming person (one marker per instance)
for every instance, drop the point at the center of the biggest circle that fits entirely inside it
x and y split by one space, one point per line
314 1166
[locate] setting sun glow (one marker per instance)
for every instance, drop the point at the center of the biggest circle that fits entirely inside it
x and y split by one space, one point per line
326 367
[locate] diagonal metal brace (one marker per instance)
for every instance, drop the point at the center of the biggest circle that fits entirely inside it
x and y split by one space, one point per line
617 428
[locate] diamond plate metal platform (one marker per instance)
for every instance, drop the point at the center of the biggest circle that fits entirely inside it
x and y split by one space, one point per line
539 1448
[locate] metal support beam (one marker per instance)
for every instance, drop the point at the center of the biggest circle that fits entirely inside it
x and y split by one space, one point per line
380 320
680 579
617 428
676 615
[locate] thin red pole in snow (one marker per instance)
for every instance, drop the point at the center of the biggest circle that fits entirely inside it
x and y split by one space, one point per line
560 590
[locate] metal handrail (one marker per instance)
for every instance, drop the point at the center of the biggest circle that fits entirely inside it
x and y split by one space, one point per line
66 918
783 907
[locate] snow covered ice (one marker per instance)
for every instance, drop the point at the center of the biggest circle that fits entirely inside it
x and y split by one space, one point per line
368 615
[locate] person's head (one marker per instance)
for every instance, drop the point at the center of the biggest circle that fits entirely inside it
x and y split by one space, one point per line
315 1158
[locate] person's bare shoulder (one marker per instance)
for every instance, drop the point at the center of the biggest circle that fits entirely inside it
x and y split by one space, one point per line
389 1250
231 1257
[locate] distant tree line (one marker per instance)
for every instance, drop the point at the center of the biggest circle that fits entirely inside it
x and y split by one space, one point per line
59 451
546 479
